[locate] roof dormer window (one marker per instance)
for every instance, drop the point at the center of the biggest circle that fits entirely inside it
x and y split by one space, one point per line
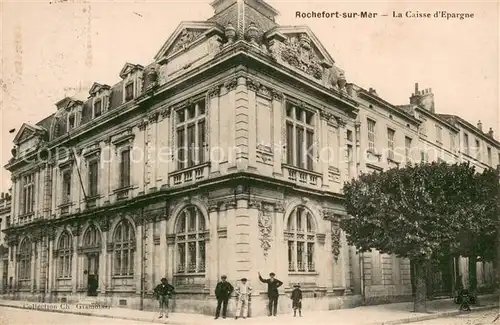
71 121
97 108
129 91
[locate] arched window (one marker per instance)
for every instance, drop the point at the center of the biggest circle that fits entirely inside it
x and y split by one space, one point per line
301 240
25 260
124 247
190 241
64 251
92 238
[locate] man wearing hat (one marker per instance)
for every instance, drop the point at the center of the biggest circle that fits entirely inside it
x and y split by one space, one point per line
243 291
162 292
272 292
297 300
223 291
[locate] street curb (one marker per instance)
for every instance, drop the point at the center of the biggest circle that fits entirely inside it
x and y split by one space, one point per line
433 316
164 321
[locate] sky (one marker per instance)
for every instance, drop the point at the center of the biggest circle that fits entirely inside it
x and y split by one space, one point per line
50 50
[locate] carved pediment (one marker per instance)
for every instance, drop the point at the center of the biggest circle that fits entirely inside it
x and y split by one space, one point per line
186 34
129 68
27 132
97 88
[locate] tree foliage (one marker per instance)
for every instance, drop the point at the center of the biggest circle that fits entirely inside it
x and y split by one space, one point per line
423 211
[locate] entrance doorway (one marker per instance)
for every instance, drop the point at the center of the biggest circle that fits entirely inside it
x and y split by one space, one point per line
92 274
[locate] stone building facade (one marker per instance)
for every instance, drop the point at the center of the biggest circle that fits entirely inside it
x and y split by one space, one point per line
226 155
5 207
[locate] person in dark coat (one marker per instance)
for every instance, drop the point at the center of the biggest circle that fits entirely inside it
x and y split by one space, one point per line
272 292
223 291
297 300
163 292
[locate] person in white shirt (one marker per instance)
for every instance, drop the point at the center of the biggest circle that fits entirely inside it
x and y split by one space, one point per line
243 292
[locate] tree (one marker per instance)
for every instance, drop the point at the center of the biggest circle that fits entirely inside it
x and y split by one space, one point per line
416 212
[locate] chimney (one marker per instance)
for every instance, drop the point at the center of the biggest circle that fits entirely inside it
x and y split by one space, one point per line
490 133
424 98
479 125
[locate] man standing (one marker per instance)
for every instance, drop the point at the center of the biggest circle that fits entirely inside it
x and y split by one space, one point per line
243 290
223 291
272 292
162 292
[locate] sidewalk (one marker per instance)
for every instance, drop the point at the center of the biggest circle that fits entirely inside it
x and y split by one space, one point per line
388 314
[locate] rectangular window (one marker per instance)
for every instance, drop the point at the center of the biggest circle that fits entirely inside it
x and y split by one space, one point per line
93 178
478 149
452 142
71 121
97 108
490 160
439 134
191 135
66 186
28 201
466 143
129 91
300 137
390 143
125 168
408 148
371 135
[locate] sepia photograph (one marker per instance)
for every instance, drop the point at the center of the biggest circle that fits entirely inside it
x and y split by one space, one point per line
250 161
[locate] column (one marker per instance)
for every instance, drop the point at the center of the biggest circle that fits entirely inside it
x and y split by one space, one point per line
212 252
153 150
215 154
150 257
138 259
163 246
278 125
54 190
103 262
74 263
252 124
240 124
50 265
107 161
230 107
33 266
139 155
324 147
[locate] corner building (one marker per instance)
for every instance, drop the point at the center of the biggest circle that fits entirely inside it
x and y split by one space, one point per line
226 155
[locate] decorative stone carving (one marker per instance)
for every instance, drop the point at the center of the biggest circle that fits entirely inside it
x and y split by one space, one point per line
342 81
213 206
277 95
231 84
279 207
252 33
325 115
153 117
254 204
335 240
341 121
299 54
264 91
265 228
214 92
142 124
230 33
165 112
253 84
185 39
75 228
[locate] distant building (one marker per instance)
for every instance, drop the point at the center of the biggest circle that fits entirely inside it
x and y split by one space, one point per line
214 160
5 207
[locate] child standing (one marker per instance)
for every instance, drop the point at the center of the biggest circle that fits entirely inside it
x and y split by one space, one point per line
297 300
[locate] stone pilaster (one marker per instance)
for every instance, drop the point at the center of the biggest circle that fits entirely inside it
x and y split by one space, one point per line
344 253
74 264
107 161
164 156
153 149
15 199
279 247
33 266
212 252
228 105
163 248
138 259
215 154
38 264
242 135
252 89
232 239
139 153
36 194
54 189
150 280
278 125
324 161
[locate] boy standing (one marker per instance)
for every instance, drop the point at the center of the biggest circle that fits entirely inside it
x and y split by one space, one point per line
297 300
162 292
243 291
